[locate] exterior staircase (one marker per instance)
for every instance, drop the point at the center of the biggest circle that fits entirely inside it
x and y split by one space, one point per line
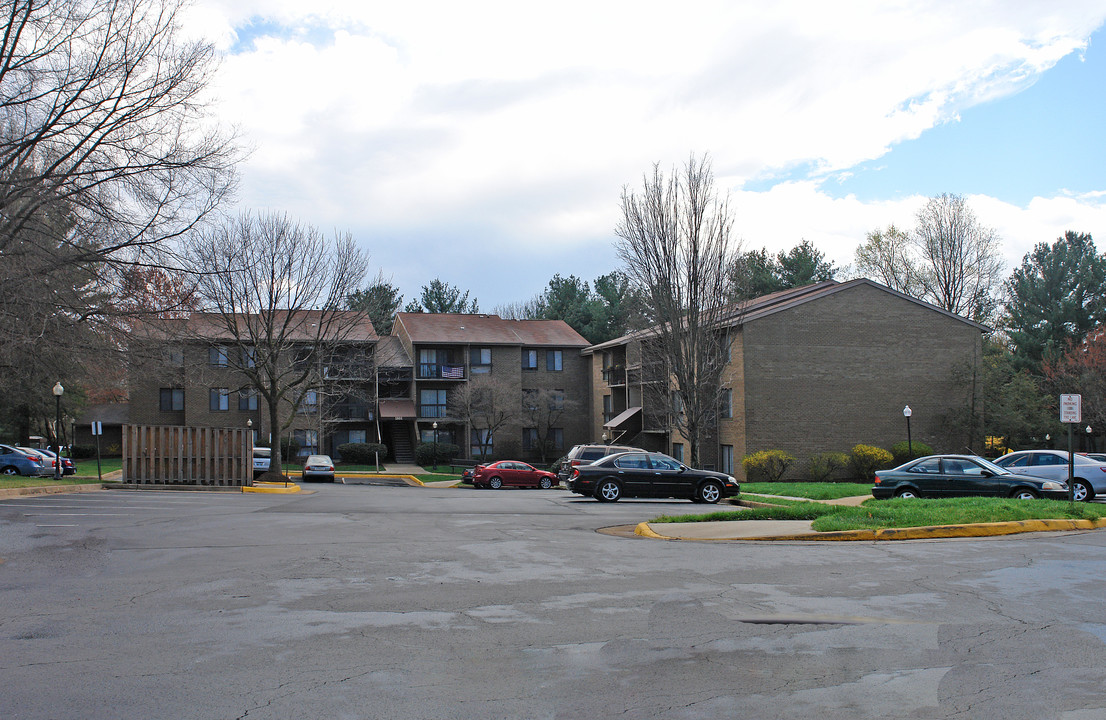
401 444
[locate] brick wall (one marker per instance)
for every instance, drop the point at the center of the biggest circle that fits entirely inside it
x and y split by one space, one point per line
837 371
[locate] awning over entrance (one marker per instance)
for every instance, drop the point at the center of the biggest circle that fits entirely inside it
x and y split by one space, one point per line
397 410
621 422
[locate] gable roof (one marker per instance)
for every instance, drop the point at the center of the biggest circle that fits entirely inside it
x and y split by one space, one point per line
751 310
300 324
481 329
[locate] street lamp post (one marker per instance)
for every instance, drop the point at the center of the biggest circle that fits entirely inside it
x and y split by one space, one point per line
435 426
907 412
1089 439
58 390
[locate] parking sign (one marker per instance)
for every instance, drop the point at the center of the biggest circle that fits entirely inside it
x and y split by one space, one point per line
1071 410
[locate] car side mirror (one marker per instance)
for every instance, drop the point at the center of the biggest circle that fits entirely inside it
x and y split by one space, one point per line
987 473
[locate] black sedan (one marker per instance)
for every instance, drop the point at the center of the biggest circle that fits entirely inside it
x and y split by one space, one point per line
940 476
649 475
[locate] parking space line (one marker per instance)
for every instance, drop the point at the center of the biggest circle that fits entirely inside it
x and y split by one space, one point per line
77 514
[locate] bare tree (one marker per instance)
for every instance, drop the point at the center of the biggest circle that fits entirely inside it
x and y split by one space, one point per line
486 403
107 154
274 294
949 259
675 238
543 411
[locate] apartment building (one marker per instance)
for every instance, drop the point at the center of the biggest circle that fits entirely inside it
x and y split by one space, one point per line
189 371
536 365
812 369
400 389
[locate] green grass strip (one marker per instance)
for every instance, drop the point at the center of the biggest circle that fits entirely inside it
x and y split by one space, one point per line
811 490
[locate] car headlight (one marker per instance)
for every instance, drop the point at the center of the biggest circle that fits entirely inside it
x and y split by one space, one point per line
730 479
1050 485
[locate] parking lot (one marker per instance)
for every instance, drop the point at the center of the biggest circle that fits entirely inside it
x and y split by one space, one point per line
401 602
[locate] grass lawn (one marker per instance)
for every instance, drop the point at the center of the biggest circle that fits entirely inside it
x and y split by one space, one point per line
903 513
809 490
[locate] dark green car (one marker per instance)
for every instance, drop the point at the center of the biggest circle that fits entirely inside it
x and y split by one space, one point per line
937 476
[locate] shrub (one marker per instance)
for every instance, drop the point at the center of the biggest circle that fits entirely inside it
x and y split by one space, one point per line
823 466
766 465
425 455
866 459
902 451
289 448
362 453
82 452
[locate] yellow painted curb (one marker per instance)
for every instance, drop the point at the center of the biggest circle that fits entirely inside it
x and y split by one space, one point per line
279 488
917 533
409 478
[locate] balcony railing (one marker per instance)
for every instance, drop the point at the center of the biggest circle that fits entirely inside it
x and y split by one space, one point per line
614 376
435 371
352 411
432 411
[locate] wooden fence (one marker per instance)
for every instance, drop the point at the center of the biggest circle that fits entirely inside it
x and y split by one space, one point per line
171 454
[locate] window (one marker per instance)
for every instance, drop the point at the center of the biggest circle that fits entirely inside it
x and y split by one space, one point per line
677 403
219 400
727 459
660 462
530 400
249 357
529 438
726 410
309 404
678 451
1049 459
529 359
480 438
633 461
357 436
174 357
933 465
557 400
217 356
247 400
308 440
172 399
432 403
608 408
557 438
481 360
554 360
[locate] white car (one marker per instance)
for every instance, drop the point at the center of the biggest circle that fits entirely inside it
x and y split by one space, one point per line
260 460
1090 475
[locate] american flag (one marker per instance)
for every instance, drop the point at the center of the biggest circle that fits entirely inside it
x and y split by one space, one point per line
453 372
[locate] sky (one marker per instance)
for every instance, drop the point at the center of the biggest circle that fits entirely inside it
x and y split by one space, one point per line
488 143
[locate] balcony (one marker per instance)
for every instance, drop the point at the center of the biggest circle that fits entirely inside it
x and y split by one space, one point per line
351 411
614 376
432 411
435 371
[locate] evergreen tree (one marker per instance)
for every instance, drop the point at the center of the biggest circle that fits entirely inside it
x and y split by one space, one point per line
1056 297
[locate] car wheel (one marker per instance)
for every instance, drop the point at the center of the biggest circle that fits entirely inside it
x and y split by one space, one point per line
1024 494
10 470
546 483
1081 491
711 492
495 483
906 493
608 491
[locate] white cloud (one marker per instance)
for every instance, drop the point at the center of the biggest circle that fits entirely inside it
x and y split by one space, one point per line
518 123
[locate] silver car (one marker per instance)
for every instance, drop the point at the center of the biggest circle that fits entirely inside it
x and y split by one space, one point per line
318 467
1090 475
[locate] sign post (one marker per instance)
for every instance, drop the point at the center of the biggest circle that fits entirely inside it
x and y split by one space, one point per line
97 431
1071 413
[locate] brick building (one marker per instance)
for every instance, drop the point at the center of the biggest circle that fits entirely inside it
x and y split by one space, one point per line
187 371
536 359
812 369
391 389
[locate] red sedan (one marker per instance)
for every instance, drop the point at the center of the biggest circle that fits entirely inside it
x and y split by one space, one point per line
511 473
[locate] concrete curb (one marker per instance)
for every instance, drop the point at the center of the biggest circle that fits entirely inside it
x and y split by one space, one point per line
49 490
275 488
919 533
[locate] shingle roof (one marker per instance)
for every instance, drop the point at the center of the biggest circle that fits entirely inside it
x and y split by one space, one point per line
300 325
450 328
765 305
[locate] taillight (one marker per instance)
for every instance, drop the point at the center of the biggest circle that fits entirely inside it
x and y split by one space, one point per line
575 473
878 480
